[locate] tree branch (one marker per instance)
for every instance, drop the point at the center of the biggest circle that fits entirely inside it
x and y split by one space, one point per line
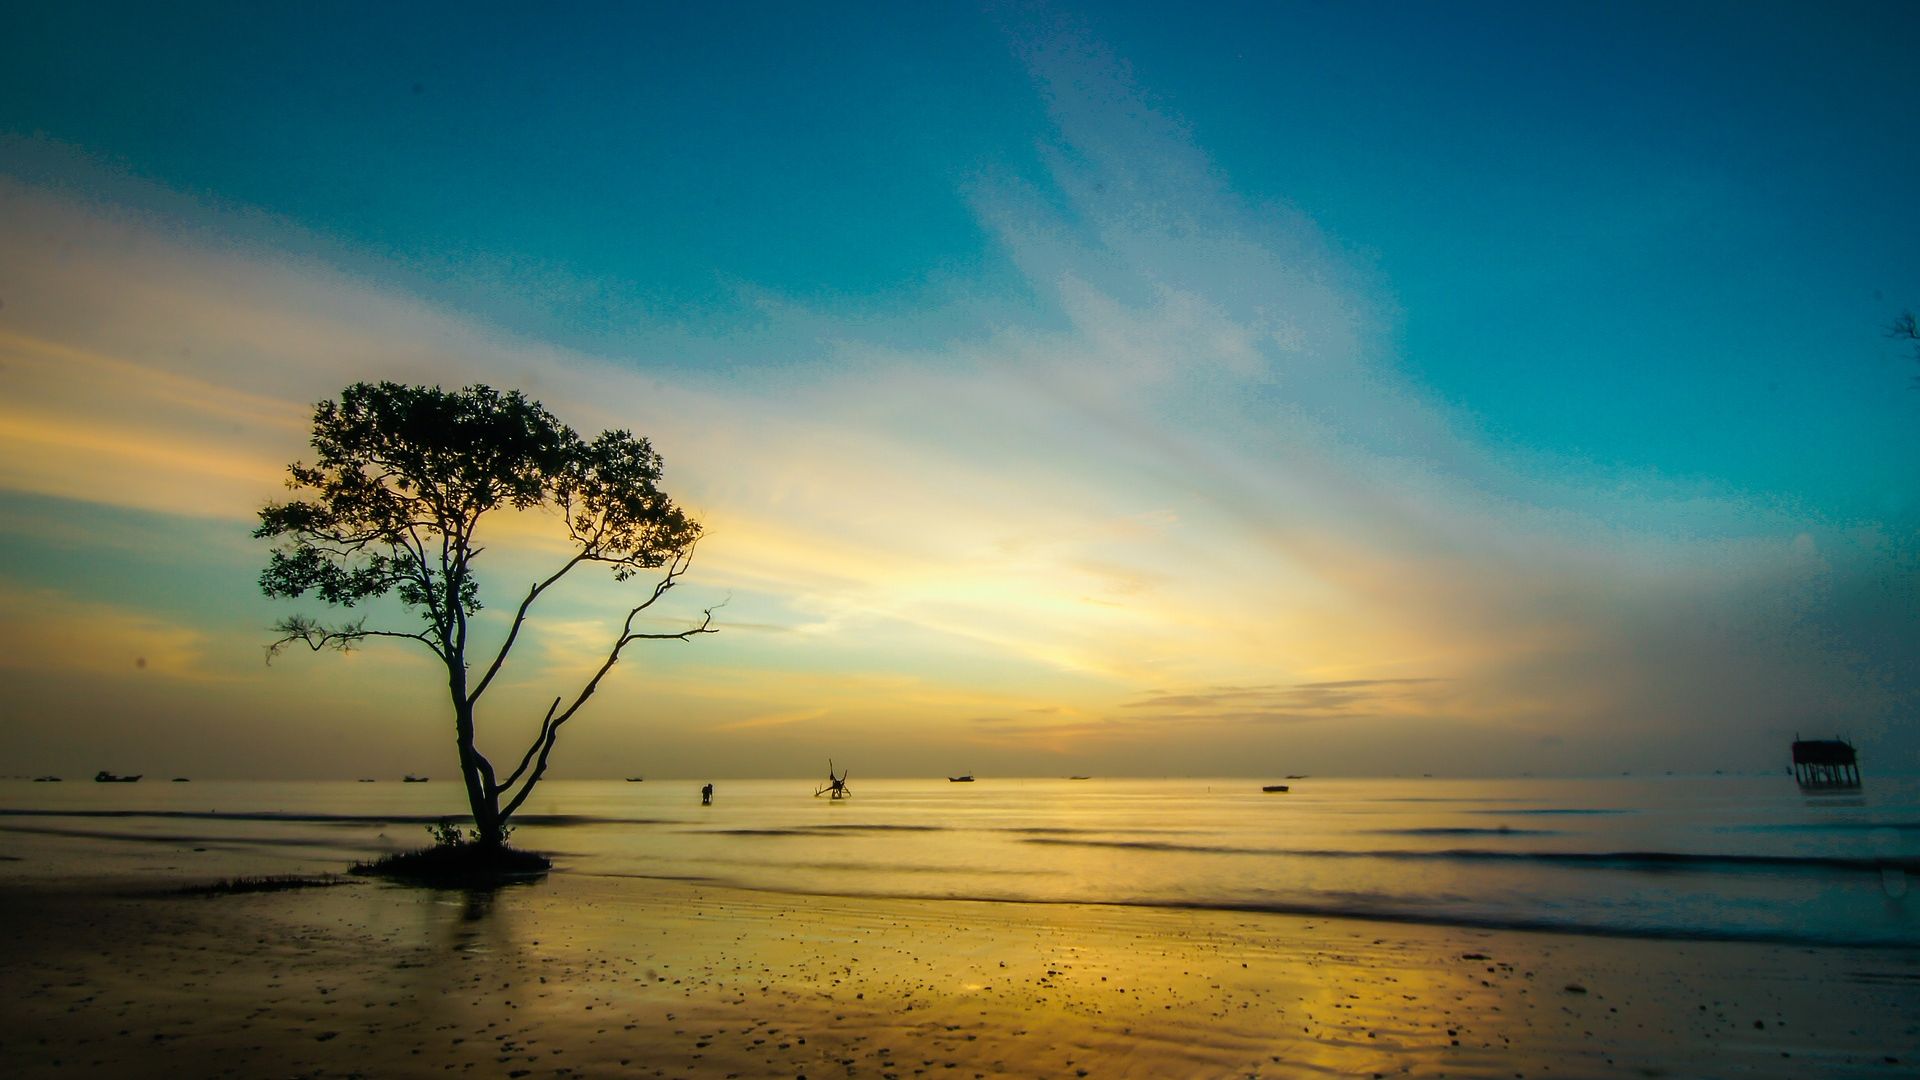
417 549
527 759
550 729
299 628
513 632
450 583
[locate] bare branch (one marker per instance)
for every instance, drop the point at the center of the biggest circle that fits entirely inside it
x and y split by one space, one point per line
706 627
513 632
546 726
417 549
305 631
550 730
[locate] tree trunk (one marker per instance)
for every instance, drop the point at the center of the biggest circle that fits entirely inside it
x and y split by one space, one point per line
481 799
486 822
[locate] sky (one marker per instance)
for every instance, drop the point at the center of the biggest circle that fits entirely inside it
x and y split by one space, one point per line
1363 389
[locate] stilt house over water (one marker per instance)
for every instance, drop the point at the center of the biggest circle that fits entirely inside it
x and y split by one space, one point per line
1825 763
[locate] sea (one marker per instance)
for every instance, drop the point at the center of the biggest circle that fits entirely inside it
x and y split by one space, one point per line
1690 857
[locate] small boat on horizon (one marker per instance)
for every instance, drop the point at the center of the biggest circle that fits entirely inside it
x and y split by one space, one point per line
105 777
1274 787
46 779
183 779
1079 777
412 779
636 779
965 778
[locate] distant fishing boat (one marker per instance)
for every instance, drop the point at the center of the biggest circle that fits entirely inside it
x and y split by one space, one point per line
1079 777
636 779
1274 787
46 780
105 777
964 779
412 779
182 779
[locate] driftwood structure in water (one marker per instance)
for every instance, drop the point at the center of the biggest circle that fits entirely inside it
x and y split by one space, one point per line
1825 763
836 786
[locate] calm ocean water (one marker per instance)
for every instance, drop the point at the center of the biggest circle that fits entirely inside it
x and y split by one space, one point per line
1716 857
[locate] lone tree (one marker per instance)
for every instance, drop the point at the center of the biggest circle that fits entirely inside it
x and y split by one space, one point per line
1907 328
392 505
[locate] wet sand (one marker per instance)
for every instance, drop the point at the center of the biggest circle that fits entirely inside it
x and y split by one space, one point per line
592 976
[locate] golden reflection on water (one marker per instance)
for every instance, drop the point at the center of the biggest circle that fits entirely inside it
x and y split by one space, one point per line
603 976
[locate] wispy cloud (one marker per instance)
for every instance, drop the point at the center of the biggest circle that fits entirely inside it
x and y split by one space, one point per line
774 719
43 630
1357 698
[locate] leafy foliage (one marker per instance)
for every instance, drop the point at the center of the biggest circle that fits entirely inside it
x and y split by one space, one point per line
447 833
403 475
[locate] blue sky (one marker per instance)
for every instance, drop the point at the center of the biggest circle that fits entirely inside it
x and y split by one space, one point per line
1476 323
1623 233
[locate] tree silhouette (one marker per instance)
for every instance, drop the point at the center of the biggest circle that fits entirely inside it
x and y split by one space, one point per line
1907 328
392 506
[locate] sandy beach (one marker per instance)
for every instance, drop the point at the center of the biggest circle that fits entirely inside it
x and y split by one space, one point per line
583 975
